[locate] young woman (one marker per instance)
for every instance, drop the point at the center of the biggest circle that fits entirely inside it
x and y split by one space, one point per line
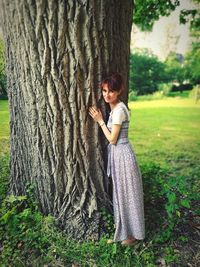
122 165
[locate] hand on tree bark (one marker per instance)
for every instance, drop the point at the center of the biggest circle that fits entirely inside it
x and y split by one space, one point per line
96 114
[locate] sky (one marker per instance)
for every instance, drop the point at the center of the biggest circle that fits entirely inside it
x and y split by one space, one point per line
167 34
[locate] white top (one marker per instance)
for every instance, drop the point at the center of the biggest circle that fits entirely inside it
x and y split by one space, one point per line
119 113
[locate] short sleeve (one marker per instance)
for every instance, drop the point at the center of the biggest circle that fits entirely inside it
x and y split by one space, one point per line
118 116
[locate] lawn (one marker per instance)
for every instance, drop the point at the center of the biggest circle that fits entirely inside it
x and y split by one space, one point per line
4 127
165 136
160 130
166 132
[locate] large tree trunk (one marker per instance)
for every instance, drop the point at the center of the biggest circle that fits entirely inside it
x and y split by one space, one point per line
57 53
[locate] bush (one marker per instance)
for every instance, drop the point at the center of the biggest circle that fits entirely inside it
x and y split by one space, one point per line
21 229
132 96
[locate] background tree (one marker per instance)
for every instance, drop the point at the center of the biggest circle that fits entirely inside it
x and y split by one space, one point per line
192 62
147 12
175 69
146 73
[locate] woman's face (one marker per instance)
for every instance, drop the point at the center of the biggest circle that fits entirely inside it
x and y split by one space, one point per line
110 96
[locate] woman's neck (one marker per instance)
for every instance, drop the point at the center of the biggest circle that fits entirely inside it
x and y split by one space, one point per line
113 105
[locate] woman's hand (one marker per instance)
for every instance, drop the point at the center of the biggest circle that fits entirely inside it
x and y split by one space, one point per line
96 114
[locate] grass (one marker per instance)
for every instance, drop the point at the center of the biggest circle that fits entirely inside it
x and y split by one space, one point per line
165 136
4 127
166 132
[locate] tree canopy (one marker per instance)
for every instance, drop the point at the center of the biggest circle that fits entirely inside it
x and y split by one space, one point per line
147 12
175 67
146 72
192 59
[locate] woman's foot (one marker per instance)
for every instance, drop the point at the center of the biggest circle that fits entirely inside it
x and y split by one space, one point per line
129 242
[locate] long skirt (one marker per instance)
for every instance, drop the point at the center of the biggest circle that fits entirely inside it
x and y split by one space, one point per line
127 192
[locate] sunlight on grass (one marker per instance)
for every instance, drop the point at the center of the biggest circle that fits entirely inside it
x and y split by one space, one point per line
162 129
4 127
167 102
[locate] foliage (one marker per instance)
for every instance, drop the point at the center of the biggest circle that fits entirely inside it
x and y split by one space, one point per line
175 67
177 198
146 73
165 192
29 238
21 228
192 63
164 94
2 70
4 173
192 16
147 12
155 96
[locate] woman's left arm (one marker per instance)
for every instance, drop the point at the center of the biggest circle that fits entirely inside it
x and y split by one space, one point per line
113 135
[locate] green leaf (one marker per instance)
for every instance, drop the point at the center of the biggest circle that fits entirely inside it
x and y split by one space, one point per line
178 213
114 249
185 203
172 197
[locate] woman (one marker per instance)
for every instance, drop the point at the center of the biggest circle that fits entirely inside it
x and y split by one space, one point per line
122 165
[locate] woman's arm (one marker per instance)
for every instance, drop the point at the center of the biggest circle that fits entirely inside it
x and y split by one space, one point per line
111 136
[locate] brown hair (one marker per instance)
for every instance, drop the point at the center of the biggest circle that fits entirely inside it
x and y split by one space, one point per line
114 82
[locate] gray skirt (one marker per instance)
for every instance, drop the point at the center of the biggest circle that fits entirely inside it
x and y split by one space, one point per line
127 192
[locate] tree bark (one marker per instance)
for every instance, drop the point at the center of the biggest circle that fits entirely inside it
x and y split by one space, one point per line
57 53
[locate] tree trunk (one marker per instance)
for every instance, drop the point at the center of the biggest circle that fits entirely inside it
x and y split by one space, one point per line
57 53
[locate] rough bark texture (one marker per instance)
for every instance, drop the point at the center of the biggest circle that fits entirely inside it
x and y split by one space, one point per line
57 53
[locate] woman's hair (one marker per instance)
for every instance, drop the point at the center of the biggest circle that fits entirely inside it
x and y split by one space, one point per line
114 81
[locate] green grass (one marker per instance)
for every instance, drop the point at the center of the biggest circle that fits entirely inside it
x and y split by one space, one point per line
4 127
184 94
166 132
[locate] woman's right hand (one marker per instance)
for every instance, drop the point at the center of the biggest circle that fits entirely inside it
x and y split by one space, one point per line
96 114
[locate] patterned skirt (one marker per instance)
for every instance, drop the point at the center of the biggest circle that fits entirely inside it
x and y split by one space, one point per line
127 192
